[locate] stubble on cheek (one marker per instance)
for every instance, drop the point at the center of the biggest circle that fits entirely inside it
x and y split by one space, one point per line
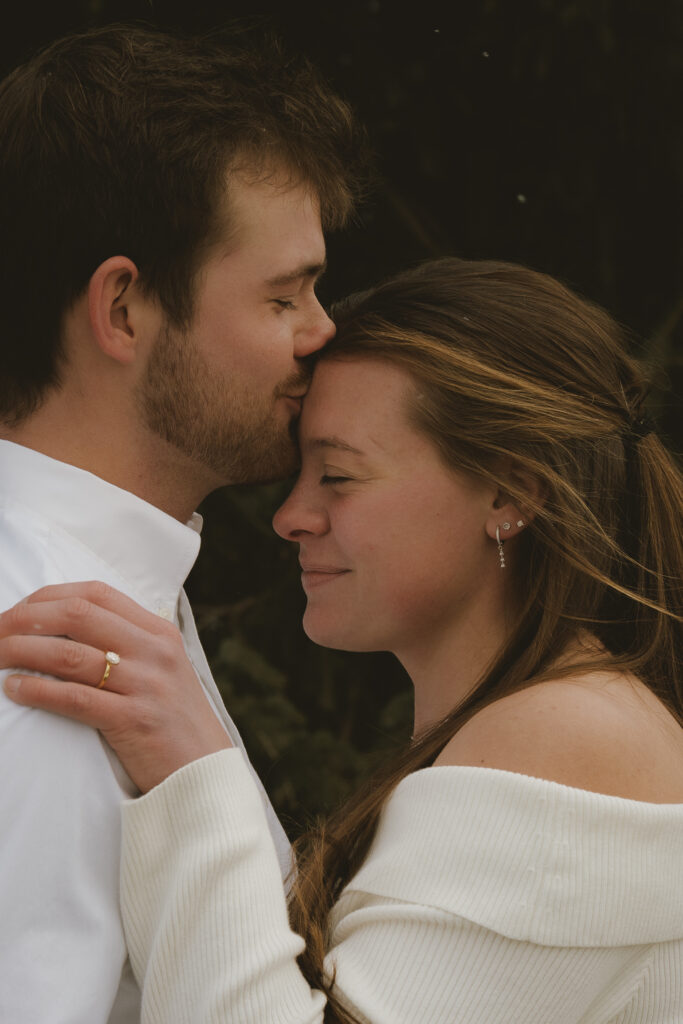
241 438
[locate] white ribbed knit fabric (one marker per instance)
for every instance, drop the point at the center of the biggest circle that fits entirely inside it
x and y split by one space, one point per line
487 898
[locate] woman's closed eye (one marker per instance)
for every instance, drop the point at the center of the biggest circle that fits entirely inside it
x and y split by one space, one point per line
334 478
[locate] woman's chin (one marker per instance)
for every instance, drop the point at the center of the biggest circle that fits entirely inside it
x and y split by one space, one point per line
327 638
336 636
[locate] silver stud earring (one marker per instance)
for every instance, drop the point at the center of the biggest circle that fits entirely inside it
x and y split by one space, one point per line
520 523
506 526
501 553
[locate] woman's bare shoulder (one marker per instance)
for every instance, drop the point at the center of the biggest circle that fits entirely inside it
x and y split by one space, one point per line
603 731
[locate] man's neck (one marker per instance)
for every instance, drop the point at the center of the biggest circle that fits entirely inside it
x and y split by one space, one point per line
150 469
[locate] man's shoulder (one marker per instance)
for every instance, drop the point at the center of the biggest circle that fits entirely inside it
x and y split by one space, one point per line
26 554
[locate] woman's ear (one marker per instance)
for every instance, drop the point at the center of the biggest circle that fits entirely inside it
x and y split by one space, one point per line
510 515
112 308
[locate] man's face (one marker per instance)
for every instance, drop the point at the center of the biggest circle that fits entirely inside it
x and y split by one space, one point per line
226 391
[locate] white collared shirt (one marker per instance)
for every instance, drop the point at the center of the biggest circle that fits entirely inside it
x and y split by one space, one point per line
62 950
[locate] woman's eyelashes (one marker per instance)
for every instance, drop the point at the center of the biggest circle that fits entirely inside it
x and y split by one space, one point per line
334 478
284 303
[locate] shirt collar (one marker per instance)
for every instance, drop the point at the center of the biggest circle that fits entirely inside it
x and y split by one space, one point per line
148 548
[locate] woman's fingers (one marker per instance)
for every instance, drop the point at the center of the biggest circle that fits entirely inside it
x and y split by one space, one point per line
58 656
104 596
80 619
74 618
96 708
153 733
152 709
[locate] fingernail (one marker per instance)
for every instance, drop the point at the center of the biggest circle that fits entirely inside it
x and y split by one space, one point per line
11 685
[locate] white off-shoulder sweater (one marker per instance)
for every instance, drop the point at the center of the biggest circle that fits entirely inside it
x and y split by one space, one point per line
487 898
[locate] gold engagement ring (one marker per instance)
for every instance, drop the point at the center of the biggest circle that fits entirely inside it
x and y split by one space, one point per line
111 658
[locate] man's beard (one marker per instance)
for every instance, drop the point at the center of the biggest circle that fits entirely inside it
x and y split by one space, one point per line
237 436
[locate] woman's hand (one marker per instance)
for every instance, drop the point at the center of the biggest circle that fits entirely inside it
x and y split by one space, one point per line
151 708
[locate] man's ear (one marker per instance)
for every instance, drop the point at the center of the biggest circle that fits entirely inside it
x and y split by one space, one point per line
113 308
511 515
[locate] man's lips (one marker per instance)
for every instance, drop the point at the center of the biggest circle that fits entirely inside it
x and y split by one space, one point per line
318 575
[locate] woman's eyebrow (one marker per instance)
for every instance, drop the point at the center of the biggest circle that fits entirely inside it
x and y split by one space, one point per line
332 442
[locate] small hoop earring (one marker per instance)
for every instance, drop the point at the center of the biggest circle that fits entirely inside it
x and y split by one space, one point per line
501 553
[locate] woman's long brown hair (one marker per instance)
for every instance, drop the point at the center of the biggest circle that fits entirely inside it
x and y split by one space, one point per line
517 377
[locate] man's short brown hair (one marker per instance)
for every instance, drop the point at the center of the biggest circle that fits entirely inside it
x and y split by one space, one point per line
116 141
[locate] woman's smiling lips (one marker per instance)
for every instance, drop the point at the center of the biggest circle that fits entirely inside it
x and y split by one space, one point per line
318 575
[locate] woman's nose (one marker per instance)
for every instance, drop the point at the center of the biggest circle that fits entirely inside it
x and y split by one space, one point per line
298 516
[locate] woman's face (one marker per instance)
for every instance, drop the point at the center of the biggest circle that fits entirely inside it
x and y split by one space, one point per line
392 542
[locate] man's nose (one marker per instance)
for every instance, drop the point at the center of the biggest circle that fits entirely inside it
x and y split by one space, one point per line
314 334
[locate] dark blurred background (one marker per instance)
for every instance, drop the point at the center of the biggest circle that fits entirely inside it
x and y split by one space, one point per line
543 131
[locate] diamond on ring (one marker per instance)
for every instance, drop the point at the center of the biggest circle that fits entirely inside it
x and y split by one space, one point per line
112 658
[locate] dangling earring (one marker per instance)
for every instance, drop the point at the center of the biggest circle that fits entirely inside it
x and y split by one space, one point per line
501 553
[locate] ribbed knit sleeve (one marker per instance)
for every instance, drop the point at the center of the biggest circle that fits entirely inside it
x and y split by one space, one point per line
487 898
204 906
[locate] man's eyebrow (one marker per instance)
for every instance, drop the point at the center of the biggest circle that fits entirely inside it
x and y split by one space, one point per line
332 442
306 270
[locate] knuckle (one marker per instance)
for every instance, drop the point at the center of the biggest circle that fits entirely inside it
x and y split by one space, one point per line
99 592
164 659
77 609
169 652
13 618
80 700
146 719
170 630
72 655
